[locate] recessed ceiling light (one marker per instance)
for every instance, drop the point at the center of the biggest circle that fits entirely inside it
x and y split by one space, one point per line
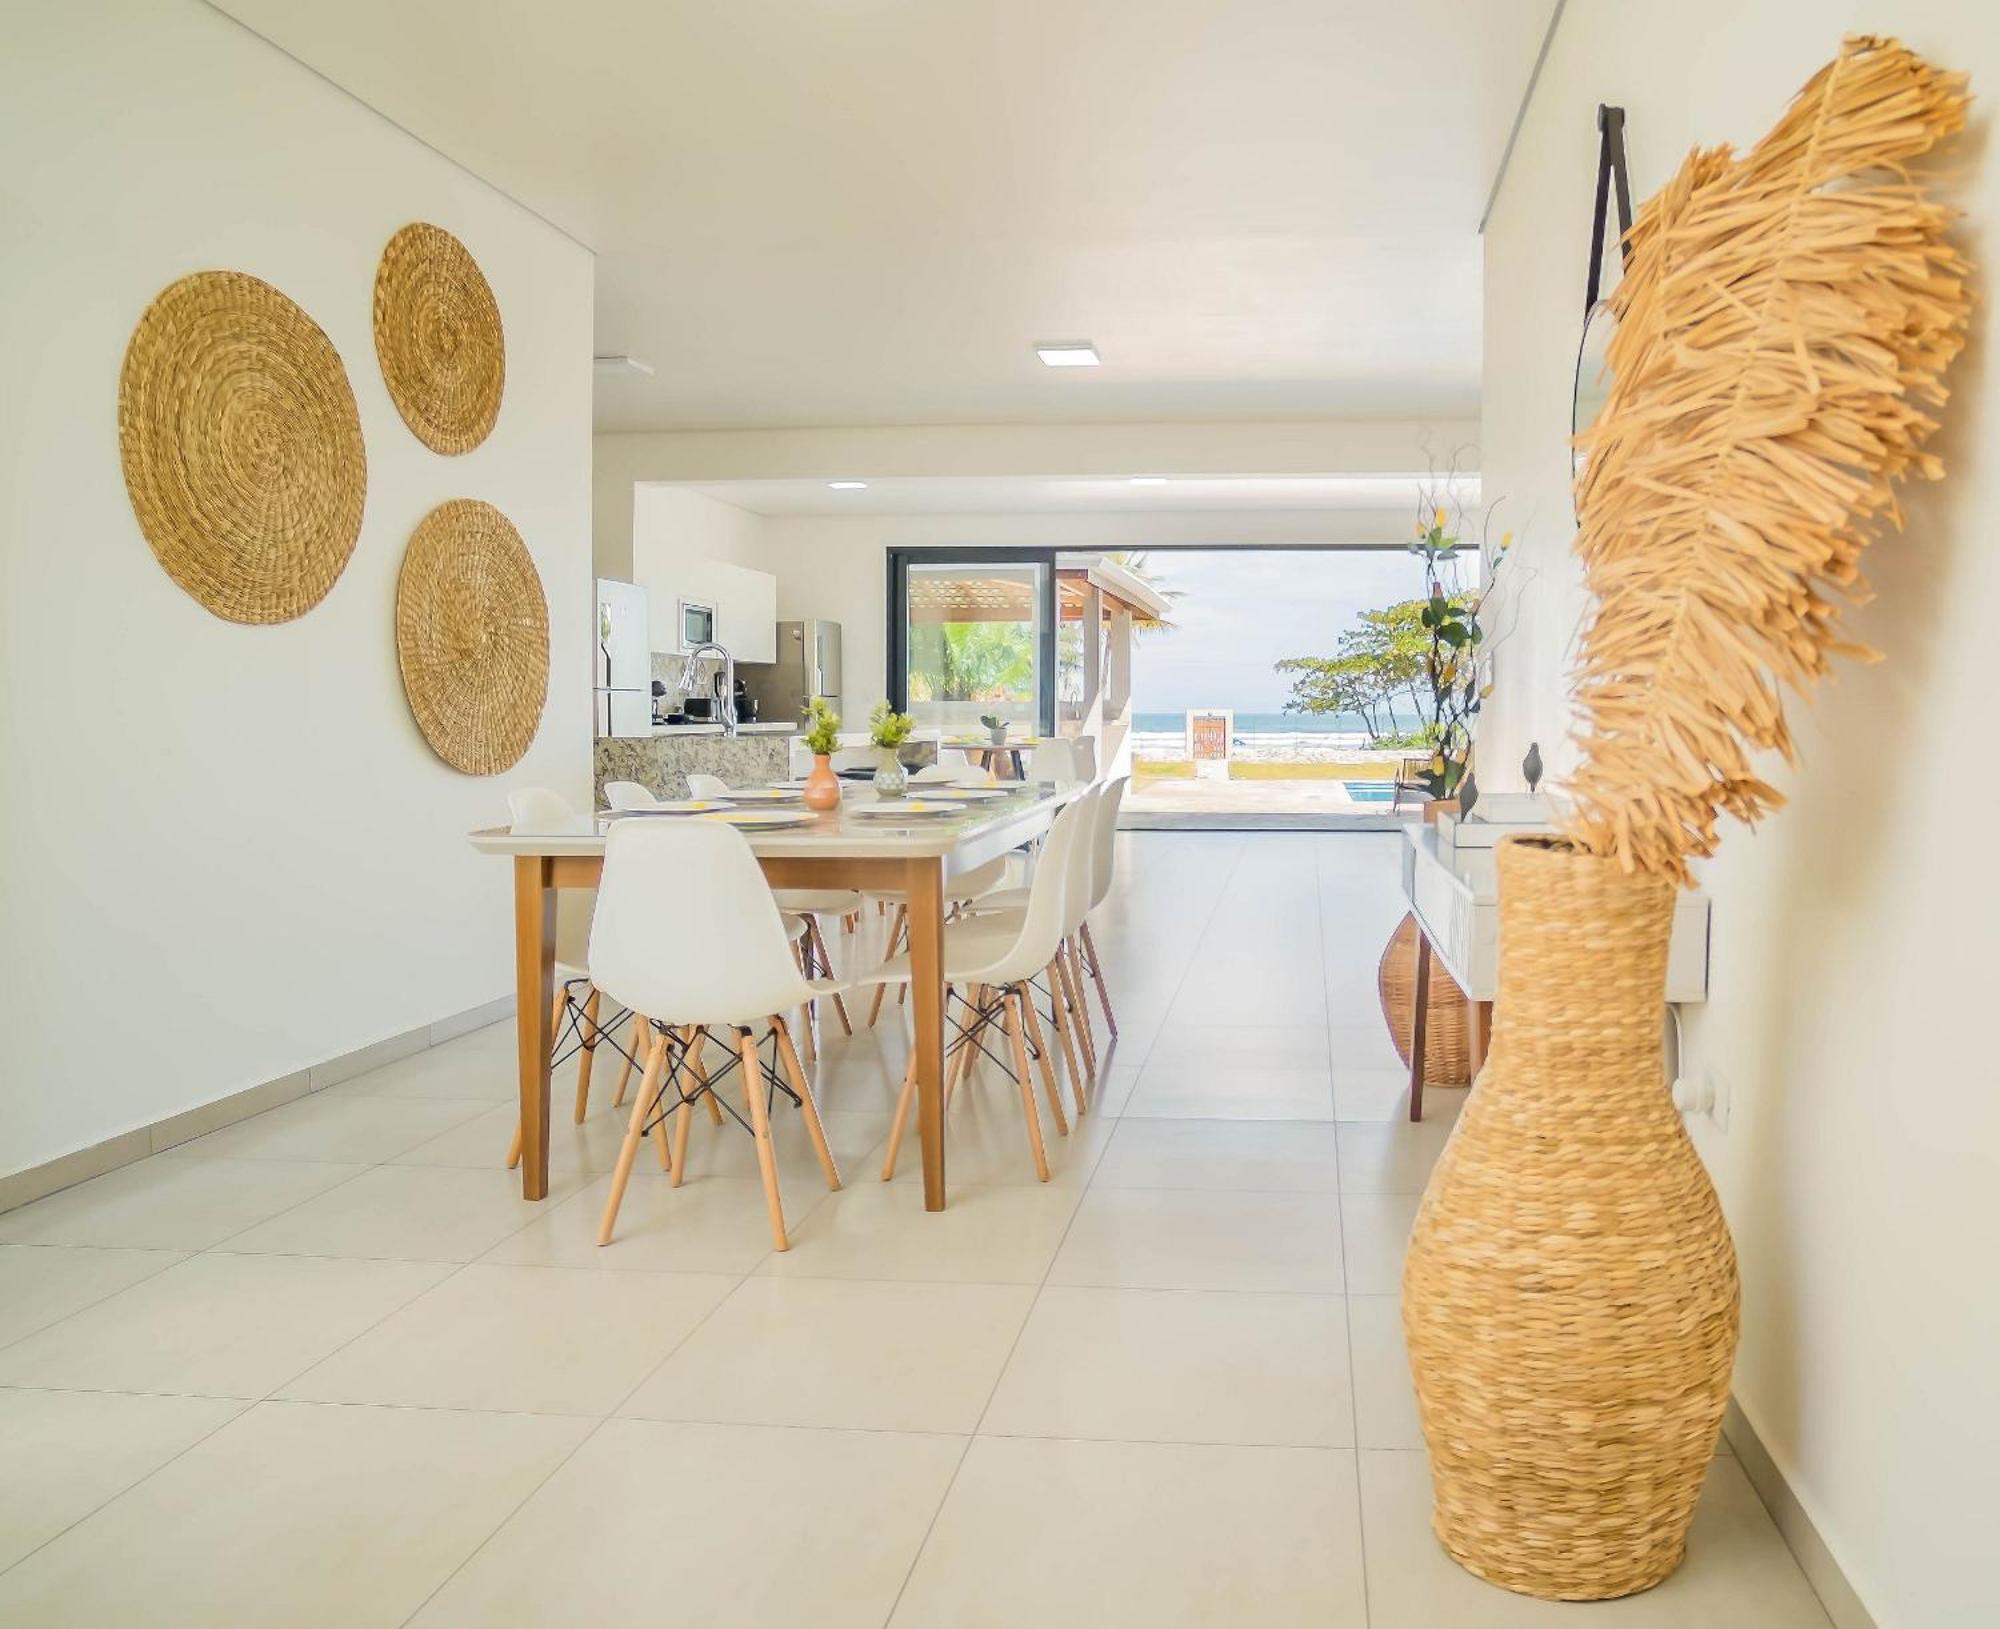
621 365
1068 353
1149 480
848 486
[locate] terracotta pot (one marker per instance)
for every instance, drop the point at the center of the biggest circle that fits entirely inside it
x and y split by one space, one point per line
1570 1292
822 785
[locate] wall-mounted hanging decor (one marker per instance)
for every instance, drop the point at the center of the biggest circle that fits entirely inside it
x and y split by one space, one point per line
438 335
242 447
472 636
1570 1291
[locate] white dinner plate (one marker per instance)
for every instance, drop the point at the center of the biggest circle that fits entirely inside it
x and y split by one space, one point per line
765 794
909 806
677 806
763 817
964 794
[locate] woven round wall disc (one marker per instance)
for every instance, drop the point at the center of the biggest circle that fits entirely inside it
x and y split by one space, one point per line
242 447
472 636
438 337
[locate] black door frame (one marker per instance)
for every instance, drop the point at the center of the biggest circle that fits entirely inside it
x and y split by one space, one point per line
897 643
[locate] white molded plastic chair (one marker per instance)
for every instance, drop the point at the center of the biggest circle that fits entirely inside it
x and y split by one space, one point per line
1056 759
706 786
628 795
737 974
990 964
1104 859
962 773
536 811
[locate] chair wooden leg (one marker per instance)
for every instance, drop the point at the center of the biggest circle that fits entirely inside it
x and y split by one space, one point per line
1097 975
555 1032
1069 1000
957 1064
589 1034
826 969
635 1045
897 923
1027 1086
760 1128
789 1056
897 1126
1063 1034
1039 1044
691 1071
649 1086
1079 1006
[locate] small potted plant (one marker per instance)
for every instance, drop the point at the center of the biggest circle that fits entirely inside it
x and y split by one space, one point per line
888 730
822 738
996 729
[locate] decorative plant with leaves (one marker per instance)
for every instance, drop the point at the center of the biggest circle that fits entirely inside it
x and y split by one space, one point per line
822 728
1784 323
887 727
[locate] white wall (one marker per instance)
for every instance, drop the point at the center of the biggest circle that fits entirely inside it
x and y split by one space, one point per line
230 853
1855 935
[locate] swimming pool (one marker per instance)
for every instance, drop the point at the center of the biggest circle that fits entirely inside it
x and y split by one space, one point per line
1371 791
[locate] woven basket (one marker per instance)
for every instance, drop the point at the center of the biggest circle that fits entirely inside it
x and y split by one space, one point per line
241 446
439 339
1570 1292
1447 1041
472 636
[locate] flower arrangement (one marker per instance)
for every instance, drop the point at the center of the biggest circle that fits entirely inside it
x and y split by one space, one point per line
888 728
822 728
1454 666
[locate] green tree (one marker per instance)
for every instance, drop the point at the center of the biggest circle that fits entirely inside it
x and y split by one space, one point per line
1378 665
975 661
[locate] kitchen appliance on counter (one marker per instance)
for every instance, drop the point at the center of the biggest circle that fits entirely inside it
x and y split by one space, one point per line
622 676
808 665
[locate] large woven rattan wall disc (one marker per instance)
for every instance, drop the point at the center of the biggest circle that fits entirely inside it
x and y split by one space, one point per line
438 336
472 636
242 447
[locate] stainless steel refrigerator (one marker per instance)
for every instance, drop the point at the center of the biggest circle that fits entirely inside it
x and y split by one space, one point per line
808 665
622 678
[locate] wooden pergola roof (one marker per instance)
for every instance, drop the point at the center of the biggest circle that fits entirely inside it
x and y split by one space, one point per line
974 597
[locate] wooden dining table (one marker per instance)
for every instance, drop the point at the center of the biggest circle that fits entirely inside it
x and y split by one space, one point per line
989 756
841 848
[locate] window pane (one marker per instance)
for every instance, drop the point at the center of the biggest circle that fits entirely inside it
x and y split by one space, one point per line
974 644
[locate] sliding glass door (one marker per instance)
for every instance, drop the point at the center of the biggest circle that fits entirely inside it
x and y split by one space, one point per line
972 633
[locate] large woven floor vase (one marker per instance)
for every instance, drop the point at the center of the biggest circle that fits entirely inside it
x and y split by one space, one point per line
1570 1292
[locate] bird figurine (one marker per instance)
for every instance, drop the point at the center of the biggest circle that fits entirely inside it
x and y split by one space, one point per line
1531 766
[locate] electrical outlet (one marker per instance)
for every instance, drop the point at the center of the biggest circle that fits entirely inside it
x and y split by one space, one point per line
1704 1092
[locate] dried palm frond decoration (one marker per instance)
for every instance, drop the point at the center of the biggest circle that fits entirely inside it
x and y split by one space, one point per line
1785 320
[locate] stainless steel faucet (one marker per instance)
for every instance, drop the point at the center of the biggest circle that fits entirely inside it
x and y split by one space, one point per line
728 696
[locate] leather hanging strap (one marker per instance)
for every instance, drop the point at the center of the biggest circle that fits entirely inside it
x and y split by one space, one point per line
1610 176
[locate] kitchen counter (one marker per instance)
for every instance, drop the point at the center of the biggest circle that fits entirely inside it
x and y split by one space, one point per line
662 761
717 729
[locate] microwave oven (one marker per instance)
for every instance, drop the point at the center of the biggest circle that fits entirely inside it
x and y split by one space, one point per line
697 624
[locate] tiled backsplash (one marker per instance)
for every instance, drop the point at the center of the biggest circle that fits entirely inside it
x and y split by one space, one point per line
668 670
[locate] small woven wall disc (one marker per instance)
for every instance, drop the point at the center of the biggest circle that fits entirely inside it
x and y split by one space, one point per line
438 337
472 636
242 447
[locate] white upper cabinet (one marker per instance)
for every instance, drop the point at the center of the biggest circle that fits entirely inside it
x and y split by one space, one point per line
745 601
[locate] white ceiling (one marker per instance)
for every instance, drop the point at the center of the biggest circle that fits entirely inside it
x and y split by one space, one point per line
1026 495
813 212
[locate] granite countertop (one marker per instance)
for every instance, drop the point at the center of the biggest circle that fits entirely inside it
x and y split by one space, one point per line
716 729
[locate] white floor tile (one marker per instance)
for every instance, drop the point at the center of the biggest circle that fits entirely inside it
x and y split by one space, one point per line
1738 1573
67 1452
533 1340
997 1235
1385 1403
171 1204
1230 1091
295 1514
1179 1366
331 1127
216 1325
1395 1156
40 1284
1224 1042
1268 1156
481 1142
986 1140
842 1353
1148 1238
481 1064
404 1213
707 1225
1376 1230
739 1527
1119 1535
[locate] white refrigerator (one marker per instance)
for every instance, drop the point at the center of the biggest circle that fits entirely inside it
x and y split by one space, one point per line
622 681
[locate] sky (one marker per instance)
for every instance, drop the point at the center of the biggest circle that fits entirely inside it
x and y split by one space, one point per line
1241 610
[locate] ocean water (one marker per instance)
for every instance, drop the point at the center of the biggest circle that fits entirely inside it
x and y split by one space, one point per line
1267 723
